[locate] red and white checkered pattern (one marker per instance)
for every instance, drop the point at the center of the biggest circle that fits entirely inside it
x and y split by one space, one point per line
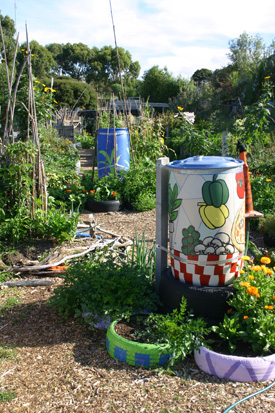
211 270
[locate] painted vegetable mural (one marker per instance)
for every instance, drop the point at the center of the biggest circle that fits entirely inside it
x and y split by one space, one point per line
213 210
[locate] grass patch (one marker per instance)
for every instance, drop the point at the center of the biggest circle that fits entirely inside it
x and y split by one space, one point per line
8 305
6 396
6 353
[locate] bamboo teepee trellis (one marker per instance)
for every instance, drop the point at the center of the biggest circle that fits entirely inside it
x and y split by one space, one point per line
39 184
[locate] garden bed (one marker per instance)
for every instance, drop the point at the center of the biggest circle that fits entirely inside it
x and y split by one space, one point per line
62 366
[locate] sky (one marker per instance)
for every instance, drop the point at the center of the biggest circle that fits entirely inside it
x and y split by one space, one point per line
178 34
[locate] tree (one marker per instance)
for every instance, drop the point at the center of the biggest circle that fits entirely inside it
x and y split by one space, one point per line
159 85
246 52
42 60
71 92
8 30
72 59
104 67
202 75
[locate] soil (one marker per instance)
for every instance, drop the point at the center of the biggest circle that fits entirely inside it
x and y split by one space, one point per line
48 365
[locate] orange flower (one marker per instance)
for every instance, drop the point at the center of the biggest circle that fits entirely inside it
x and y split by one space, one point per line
92 191
85 192
273 297
114 193
251 277
253 291
245 317
67 190
269 307
256 268
265 260
229 310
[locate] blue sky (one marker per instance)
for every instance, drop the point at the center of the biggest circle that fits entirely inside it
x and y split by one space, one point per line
182 35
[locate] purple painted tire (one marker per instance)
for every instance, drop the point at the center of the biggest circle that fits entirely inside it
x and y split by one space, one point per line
235 368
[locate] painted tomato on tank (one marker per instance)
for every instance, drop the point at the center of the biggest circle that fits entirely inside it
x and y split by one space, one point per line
240 185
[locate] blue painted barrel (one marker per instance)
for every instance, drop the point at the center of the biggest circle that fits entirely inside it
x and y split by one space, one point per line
106 151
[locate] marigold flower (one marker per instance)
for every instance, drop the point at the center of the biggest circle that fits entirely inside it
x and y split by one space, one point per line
114 193
267 77
242 271
92 191
245 317
180 108
244 284
265 260
257 268
246 258
229 310
253 291
268 180
251 277
68 190
269 307
273 297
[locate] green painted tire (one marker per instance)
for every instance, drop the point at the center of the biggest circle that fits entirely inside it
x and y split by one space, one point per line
133 353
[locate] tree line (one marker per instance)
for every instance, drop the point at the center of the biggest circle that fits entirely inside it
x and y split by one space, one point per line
76 70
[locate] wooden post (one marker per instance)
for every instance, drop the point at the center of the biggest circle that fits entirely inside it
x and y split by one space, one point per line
161 217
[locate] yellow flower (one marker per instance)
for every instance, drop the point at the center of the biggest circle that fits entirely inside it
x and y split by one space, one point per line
256 268
265 260
244 284
268 180
246 258
267 77
242 271
180 108
269 307
245 317
251 277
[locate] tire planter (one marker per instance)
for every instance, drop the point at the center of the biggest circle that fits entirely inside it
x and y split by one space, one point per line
235 368
207 302
133 353
102 206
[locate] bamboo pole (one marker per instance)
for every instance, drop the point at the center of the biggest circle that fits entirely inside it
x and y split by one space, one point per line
121 82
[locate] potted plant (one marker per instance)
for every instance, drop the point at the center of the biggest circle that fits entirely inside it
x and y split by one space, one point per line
103 194
267 228
243 344
154 339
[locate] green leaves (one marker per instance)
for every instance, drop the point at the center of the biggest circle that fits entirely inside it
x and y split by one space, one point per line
251 318
103 287
173 202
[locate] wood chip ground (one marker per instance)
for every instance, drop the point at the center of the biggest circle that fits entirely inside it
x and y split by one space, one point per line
63 367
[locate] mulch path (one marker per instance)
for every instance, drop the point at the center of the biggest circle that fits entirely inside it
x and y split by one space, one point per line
60 366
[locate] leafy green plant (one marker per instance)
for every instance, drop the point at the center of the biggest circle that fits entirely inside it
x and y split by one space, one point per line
250 319
103 189
178 331
87 141
139 180
143 255
267 225
103 287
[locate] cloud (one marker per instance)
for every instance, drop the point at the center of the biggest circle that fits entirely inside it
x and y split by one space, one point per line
181 35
